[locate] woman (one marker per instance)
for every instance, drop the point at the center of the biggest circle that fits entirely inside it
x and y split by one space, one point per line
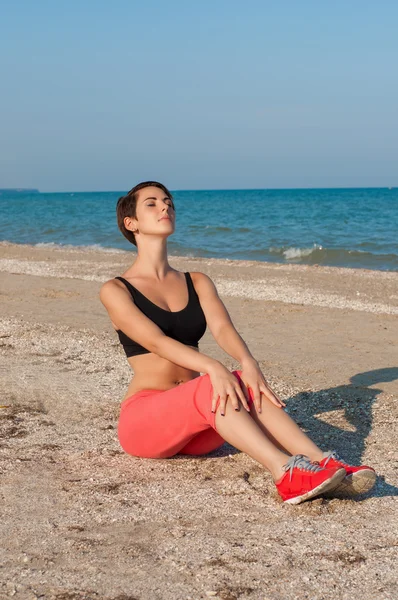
181 401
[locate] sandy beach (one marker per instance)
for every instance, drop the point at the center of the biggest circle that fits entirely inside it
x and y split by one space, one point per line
81 520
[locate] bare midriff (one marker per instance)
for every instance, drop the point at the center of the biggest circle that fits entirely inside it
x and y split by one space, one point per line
152 372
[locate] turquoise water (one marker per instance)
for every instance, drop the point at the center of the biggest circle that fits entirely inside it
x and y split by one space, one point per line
336 227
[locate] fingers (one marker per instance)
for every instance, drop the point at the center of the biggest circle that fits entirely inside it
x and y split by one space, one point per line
222 404
231 394
242 397
268 393
234 395
214 402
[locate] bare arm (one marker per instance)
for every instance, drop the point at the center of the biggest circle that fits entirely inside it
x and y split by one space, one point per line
127 317
219 321
228 339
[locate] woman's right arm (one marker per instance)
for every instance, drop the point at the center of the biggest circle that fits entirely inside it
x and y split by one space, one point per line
127 317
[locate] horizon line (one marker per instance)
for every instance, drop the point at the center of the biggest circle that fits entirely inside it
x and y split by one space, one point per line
244 189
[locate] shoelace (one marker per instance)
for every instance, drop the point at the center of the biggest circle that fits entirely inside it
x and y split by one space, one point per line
301 462
333 454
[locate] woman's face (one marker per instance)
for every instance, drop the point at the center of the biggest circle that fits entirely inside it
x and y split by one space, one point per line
155 213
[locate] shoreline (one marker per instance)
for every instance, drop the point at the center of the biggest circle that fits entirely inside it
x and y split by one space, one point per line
245 262
327 287
94 248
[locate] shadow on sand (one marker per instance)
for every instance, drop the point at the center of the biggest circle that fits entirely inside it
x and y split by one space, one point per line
339 418
348 408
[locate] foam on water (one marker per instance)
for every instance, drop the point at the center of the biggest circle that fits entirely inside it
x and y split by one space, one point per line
70 248
292 253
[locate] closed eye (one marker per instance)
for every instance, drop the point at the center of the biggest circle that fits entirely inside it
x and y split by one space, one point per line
166 200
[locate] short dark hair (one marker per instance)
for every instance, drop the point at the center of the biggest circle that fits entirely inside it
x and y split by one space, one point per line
126 206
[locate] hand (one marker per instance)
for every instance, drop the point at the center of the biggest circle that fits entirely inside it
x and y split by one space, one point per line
253 378
225 385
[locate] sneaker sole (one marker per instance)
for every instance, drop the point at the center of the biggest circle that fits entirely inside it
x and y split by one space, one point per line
357 483
325 486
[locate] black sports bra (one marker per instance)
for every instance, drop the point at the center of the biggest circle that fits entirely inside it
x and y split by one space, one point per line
186 326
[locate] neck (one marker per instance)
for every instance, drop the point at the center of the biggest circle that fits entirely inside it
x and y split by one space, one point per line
152 261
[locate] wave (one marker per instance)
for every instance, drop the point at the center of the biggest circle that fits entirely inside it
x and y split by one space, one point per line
291 253
69 247
321 255
313 255
72 248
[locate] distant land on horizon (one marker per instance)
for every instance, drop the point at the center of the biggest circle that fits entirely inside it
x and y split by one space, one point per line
19 191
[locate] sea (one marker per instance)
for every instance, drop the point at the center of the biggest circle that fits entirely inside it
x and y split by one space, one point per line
354 228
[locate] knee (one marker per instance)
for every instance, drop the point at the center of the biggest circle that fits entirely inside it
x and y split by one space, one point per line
238 374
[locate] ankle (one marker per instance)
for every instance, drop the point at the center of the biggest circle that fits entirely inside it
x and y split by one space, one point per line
277 475
316 456
277 471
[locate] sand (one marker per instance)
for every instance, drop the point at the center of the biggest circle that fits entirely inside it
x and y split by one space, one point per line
82 520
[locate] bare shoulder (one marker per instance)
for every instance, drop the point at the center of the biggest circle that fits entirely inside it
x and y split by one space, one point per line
199 277
202 282
111 289
213 307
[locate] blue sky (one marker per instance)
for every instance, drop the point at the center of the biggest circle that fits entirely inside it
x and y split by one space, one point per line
214 94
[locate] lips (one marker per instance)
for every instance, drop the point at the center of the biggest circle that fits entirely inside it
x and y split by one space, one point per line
163 218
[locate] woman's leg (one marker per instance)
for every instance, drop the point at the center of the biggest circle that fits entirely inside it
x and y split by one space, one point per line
160 424
203 443
156 424
241 430
281 429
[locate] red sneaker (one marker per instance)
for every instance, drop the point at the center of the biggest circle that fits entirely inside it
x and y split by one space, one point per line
358 480
304 479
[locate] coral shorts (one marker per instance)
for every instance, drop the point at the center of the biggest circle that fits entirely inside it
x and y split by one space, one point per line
160 424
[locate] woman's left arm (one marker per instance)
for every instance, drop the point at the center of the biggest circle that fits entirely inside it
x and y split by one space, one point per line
226 336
